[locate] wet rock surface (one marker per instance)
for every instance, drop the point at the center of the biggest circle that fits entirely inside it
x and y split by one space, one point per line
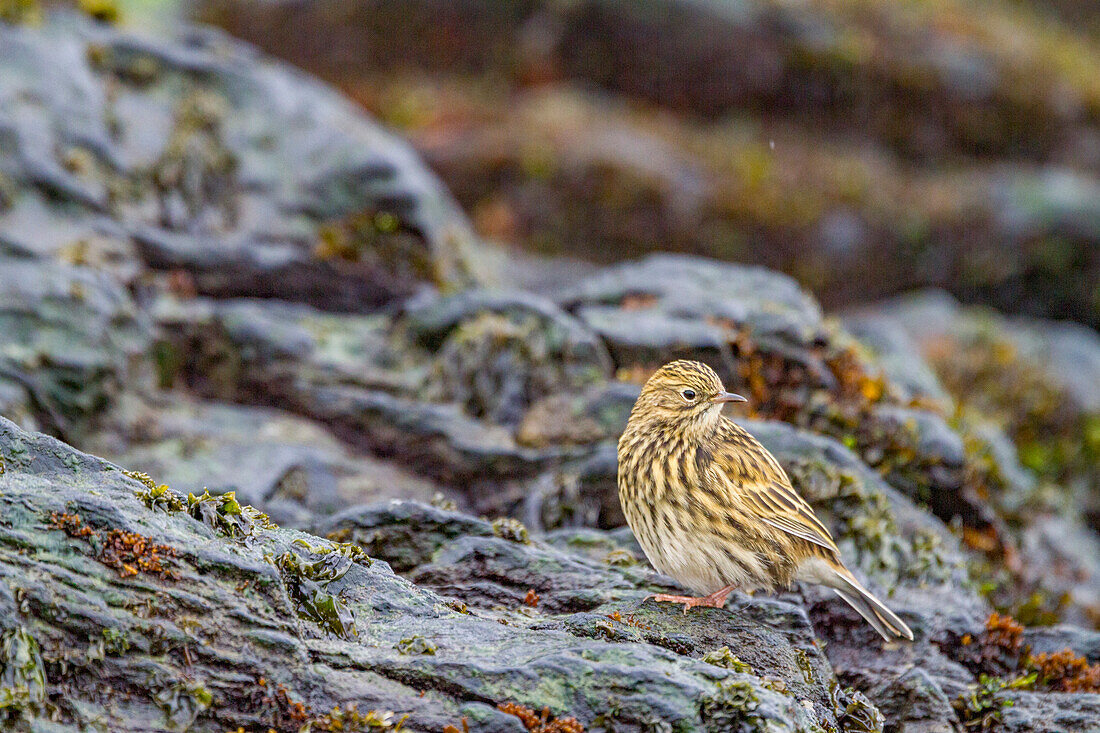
264 294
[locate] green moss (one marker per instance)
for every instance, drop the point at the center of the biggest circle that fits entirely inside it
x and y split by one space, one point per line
183 702
854 712
20 11
223 513
157 497
105 11
415 645
620 558
724 658
804 665
22 675
511 529
982 707
307 576
115 642
731 707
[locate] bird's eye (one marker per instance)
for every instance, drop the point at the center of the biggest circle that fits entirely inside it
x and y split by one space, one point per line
688 394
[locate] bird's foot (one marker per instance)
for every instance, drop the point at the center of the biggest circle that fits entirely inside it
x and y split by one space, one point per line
717 599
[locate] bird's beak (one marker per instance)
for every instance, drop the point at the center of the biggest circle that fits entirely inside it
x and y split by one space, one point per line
723 397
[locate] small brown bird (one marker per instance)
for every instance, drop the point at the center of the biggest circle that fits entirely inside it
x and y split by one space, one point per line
712 508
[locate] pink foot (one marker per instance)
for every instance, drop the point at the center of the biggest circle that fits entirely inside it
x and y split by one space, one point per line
717 599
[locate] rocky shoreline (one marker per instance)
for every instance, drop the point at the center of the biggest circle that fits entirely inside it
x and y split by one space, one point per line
216 271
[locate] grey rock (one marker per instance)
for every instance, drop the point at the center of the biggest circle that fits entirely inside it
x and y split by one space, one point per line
695 288
73 341
227 618
215 161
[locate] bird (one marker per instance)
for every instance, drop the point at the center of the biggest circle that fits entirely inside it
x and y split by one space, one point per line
714 510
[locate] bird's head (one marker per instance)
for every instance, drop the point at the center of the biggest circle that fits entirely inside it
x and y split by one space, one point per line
685 394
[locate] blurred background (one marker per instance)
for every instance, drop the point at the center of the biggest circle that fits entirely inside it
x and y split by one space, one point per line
863 147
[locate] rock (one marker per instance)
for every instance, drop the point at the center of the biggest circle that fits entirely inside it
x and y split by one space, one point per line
289 467
500 352
1022 390
73 341
253 180
698 289
233 622
745 147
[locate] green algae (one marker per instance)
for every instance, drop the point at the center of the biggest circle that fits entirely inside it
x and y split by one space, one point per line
724 658
22 674
221 513
982 706
731 707
157 497
415 645
854 712
511 529
183 702
307 577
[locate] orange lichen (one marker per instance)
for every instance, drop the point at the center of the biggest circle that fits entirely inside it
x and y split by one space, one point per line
275 702
1004 632
531 599
127 552
1065 671
629 620
544 723
72 524
454 729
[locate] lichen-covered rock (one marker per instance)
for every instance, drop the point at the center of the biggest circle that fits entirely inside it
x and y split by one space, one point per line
500 352
531 115
134 617
251 179
73 341
290 467
1025 393
767 338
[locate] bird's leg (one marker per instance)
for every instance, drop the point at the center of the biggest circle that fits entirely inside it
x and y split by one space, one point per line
717 599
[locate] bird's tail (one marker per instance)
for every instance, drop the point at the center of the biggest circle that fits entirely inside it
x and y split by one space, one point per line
885 621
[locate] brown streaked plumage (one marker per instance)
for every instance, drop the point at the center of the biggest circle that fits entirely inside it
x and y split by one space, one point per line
712 508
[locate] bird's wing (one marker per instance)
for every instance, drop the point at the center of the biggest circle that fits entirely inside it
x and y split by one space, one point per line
767 492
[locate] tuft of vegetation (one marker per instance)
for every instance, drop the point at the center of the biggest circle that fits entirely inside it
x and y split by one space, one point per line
415 645
731 707
104 11
724 658
629 620
1064 671
982 708
1000 651
127 552
222 513
620 558
854 712
157 497
22 676
308 574
20 11
511 529
350 720
544 723
183 702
